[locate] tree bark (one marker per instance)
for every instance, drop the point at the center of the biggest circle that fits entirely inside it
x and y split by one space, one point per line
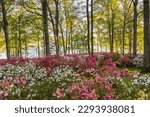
45 27
123 35
62 36
112 32
88 26
130 40
57 26
135 3
38 44
19 37
92 26
26 49
146 36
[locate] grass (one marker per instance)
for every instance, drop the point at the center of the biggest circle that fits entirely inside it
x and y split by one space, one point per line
134 70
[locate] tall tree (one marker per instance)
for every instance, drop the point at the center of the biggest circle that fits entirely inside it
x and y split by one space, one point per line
92 25
146 35
57 25
5 28
88 25
135 4
126 4
45 26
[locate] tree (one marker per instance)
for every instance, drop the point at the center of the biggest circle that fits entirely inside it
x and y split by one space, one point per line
126 4
88 26
92 24
71 26
5 28
57 25
146 35
45 26
135 4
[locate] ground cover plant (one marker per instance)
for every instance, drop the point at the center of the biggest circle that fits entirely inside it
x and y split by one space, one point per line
84 77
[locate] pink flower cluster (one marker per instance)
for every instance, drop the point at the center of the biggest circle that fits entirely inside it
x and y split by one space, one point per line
4 94
83 91
58 93
87 89
8 83
126 60
20 81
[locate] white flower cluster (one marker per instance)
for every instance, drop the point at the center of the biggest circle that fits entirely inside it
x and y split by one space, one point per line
61 72
90 71
142 80
138 61
28 70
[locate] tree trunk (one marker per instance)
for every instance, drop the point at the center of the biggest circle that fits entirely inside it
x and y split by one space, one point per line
71 38
45 27
88 26
123 36
19 37
5 28
38 43
26 49
110 41
66 35
92 23
146 36
57 26
109 31
63 40
112 32
52 20
130 40
135 28
16 48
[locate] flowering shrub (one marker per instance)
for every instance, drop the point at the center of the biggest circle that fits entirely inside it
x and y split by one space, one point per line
87 89
142 82
61 77
16 77
138 88
138 61
109 69
14 61
142 86
113 56
126 61
28 70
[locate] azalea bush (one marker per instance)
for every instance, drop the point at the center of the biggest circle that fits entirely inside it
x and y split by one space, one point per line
126 60
64 77
131 89
28 70
138 61
82 88
113 56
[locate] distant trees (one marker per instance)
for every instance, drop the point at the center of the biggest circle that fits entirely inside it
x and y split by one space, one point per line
71 26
